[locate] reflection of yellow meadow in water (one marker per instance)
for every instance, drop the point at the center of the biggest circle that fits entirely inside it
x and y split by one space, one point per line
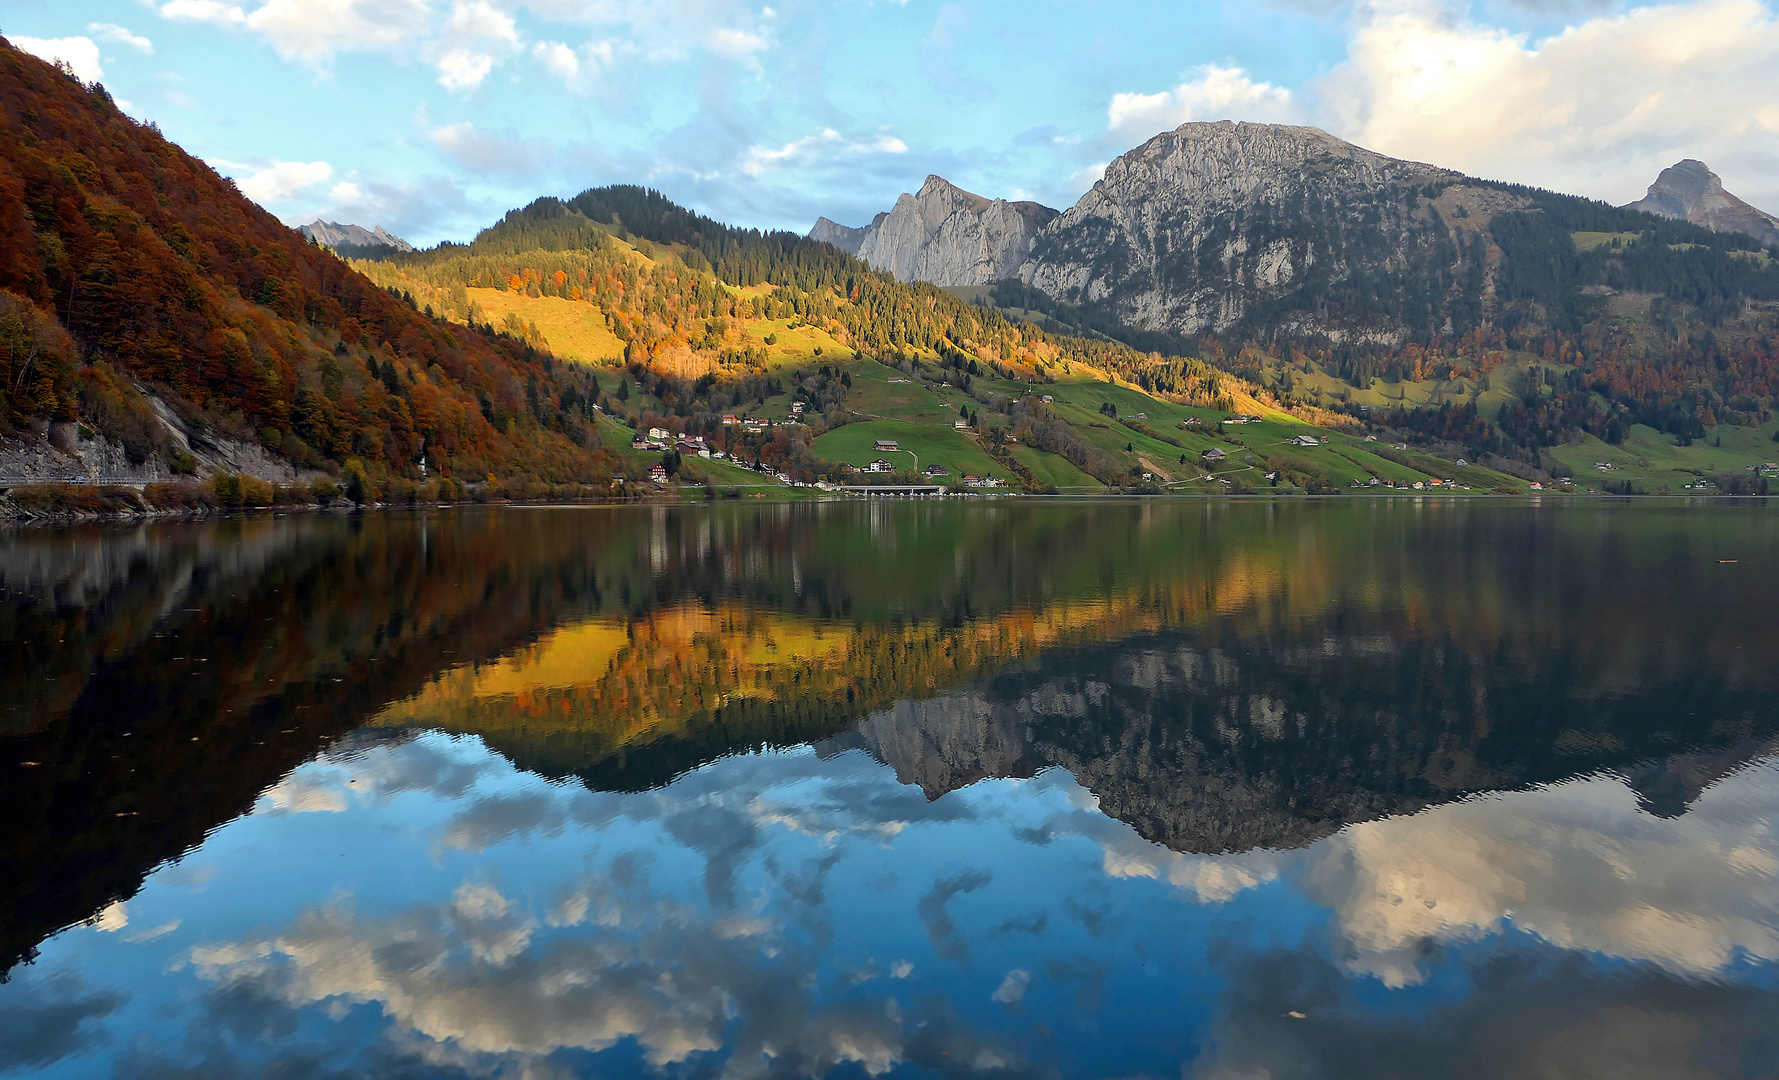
617 682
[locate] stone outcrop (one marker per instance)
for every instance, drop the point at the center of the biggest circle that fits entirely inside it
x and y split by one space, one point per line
844 237
945 235
1201 225
1689 191
333 234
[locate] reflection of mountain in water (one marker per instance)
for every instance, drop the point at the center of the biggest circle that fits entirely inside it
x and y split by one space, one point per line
1277 743
1222 676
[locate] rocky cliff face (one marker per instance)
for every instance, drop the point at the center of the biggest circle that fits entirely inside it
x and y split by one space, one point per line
844 237
333 234
945 235
1212 224
1690 191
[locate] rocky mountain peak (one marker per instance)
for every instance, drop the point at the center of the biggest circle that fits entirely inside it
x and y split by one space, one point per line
1192 229
333 234
844 237
944 234
1689 191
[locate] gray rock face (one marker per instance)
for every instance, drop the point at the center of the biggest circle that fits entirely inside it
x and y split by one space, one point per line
844 237
1689 191
945 235
1198 226
333 234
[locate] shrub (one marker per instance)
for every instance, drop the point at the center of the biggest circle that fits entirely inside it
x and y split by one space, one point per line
76 499
179 496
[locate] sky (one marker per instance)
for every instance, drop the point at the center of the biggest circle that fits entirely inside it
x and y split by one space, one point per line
433 117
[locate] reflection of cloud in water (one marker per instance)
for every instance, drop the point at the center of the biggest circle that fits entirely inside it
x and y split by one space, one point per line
1577 863
618 955
620 948
50 1017
471 974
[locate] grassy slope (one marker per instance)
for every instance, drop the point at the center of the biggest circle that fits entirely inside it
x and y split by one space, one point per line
918 414
1650 460
573 331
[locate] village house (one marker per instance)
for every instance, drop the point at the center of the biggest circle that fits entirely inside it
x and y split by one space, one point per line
885 446
937 470
960 423
1213 454
660 434
1193 421
730 420
1046 399
658 473
1305 440
880 466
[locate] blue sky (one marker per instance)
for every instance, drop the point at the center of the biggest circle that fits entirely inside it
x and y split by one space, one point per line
432 117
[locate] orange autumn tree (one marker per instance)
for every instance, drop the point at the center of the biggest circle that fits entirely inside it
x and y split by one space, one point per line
128 267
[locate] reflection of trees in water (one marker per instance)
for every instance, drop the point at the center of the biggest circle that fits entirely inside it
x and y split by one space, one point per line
195 664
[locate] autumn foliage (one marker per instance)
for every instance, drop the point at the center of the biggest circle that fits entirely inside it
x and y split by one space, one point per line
130 268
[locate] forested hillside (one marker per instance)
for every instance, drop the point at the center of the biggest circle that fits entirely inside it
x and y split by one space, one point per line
697 324
144 300
1359 283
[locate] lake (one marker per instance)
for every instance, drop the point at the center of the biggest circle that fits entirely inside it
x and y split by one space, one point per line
1318 788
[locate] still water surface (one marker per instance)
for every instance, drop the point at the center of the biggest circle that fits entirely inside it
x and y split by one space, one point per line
1343 789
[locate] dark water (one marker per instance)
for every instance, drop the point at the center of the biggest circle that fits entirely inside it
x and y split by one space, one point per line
1341 789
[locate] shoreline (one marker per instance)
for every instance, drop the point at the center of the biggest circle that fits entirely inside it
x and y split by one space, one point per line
13 516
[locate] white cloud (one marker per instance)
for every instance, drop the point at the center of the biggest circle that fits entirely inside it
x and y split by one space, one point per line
466 40
475 38
826 143
122 36
314 30
1599 108
577 68
460 69
206 11
275 182
1216 93
79 53
732 42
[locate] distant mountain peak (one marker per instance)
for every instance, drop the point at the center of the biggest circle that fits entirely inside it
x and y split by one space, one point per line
333 234
944 234
1689 191
844 237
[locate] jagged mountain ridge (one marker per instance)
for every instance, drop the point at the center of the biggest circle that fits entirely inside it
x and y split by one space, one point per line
333 234
1689 191
1272 230
1201 226
944 235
